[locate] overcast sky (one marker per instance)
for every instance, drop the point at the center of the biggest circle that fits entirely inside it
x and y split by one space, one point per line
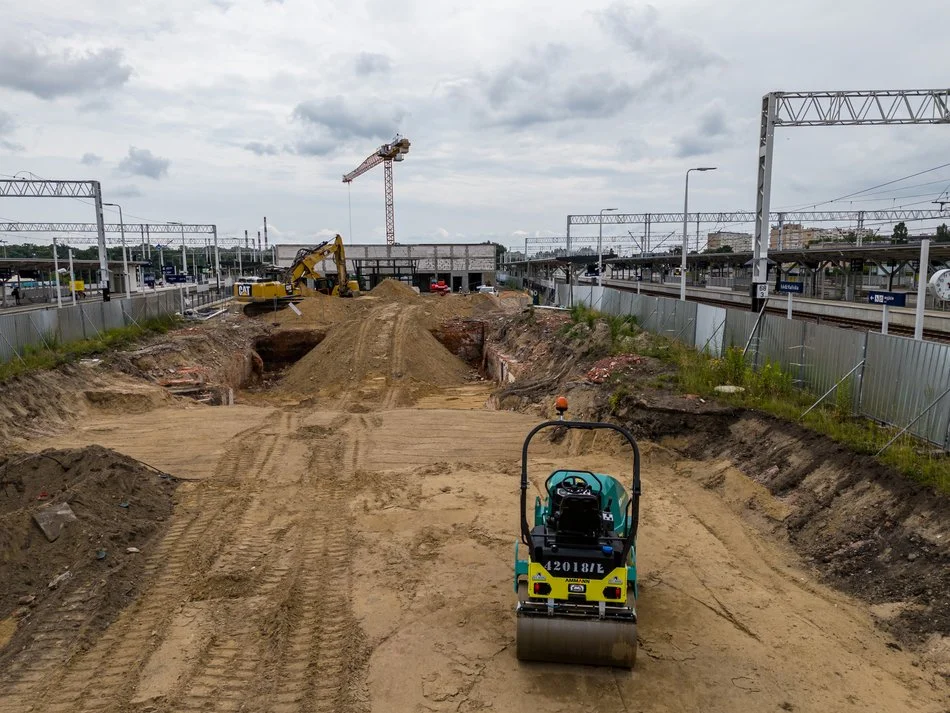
519 112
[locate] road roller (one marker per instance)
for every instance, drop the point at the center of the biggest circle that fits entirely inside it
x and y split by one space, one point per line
576 565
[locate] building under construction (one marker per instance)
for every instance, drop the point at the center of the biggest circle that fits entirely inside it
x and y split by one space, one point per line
464 266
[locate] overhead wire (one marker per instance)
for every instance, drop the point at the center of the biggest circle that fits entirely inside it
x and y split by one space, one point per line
865 190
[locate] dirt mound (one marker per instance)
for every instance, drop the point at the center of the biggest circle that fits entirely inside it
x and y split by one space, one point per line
437 308
389 344
130 399
222 349
316 309
107 503
43 403
484 304
394 290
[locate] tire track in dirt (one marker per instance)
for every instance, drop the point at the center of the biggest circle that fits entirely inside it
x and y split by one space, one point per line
359 355
99 679
225 674
315 654
50 646
397 358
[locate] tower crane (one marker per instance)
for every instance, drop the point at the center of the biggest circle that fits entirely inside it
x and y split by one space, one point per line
395 150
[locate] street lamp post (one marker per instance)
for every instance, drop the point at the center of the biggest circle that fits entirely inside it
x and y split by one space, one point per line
600 251
685 220
125 258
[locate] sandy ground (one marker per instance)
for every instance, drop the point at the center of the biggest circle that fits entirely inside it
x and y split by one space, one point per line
360 560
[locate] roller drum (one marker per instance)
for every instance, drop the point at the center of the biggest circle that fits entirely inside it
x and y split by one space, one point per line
597 642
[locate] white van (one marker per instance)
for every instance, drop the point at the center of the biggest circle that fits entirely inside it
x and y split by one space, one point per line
488 290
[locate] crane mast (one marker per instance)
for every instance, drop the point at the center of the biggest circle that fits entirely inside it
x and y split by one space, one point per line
395 150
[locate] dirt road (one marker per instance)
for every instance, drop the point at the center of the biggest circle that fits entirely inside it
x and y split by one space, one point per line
360 560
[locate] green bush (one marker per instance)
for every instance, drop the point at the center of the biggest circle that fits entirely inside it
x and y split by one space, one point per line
732 367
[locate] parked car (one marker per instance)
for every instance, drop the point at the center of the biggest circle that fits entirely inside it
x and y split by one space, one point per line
488 290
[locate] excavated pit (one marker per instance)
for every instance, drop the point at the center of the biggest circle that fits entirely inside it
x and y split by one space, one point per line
465 338
285 348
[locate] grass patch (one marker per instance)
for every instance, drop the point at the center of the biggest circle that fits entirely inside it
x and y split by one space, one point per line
54 353
771 390
622 328
617 398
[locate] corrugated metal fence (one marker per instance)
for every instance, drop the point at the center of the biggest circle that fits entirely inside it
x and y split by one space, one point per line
892 379
42 327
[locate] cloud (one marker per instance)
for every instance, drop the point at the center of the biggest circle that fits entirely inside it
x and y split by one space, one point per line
332 115
524 73
7 122
48 75
90 159
674 56
99 104
125 192
141 162
260 148
372 63
8 126
710 133
542 87
312 147
712 122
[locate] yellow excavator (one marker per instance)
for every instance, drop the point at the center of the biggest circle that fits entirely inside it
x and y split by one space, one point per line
260 296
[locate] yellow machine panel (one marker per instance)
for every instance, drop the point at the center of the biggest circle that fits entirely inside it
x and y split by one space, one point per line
576 584
260 291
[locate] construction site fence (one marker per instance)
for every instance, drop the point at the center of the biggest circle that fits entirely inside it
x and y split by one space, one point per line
890 379
43 328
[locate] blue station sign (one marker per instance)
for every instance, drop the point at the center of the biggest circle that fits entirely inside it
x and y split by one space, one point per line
793 288
889 299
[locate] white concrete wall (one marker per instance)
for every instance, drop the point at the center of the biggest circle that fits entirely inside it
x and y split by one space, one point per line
432 258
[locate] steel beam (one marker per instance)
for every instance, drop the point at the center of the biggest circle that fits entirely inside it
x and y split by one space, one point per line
41 188
849 108
862 108
748 216
29 188
390 213
104 275
108 227
763 183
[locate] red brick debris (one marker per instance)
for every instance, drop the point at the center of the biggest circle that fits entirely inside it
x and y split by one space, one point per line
601 370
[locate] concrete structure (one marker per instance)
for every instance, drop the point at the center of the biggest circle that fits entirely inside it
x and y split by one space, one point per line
791 236
739 242
466 265
795 235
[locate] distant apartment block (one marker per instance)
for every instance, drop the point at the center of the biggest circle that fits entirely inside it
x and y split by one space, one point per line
739 242
795 235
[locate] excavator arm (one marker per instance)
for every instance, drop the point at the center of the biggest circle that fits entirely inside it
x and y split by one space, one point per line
305 264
